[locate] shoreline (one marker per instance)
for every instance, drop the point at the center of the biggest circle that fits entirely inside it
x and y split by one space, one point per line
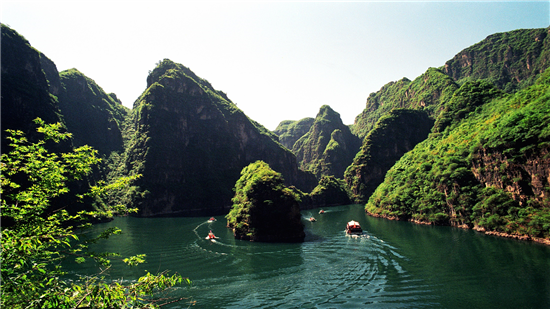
482 230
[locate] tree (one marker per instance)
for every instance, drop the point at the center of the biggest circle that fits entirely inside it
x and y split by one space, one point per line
37 233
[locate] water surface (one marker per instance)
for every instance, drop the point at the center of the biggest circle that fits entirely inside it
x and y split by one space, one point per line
392 265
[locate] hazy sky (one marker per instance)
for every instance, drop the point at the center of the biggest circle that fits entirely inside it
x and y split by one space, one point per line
276 60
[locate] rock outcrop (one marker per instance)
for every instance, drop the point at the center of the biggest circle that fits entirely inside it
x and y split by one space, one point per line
263 208
328 147
290 131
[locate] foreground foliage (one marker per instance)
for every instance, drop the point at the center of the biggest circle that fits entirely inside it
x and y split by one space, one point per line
37 237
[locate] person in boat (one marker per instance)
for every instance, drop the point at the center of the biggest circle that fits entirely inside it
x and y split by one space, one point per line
211 235
312 219
212 219
321 211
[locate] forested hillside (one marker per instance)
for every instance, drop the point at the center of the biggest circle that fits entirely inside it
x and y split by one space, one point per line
328 147
393 135
487 165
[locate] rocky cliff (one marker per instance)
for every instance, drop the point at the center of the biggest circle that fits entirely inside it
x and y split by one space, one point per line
510 60
190 143
328 147
394 134
25 92
290 131
94 117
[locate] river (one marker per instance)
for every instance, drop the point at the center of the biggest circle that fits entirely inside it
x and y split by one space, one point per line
392 265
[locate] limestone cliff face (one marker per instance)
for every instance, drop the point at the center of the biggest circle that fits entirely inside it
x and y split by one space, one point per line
510 60
328 147
25 93
525 178
393 135
191 142
290 131
93 116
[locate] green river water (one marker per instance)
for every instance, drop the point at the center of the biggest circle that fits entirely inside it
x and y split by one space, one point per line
392 265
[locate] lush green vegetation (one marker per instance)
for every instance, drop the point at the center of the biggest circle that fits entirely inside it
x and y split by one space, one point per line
427 92
395 133
475 169
264 209
330 191
328 147
93 116
509 60
290 131
37 234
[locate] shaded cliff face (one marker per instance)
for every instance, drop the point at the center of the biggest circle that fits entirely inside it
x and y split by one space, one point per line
25 93
427 92
290 131
191 142
510 60
328 147
94 117
394 134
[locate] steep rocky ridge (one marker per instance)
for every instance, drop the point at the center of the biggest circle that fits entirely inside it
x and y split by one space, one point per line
426 92
190 143
290 131
328 147
510 60
394 134
94 117
25 92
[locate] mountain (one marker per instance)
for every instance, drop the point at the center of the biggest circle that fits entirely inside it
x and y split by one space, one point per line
486 167
25 90
393 135
94 117
426 92
432 91
290 131
328 147
190 143
510 60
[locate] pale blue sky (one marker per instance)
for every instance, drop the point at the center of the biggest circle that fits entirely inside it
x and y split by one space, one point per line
276 60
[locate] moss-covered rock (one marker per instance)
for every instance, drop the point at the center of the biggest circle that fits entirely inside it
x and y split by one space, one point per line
263 208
